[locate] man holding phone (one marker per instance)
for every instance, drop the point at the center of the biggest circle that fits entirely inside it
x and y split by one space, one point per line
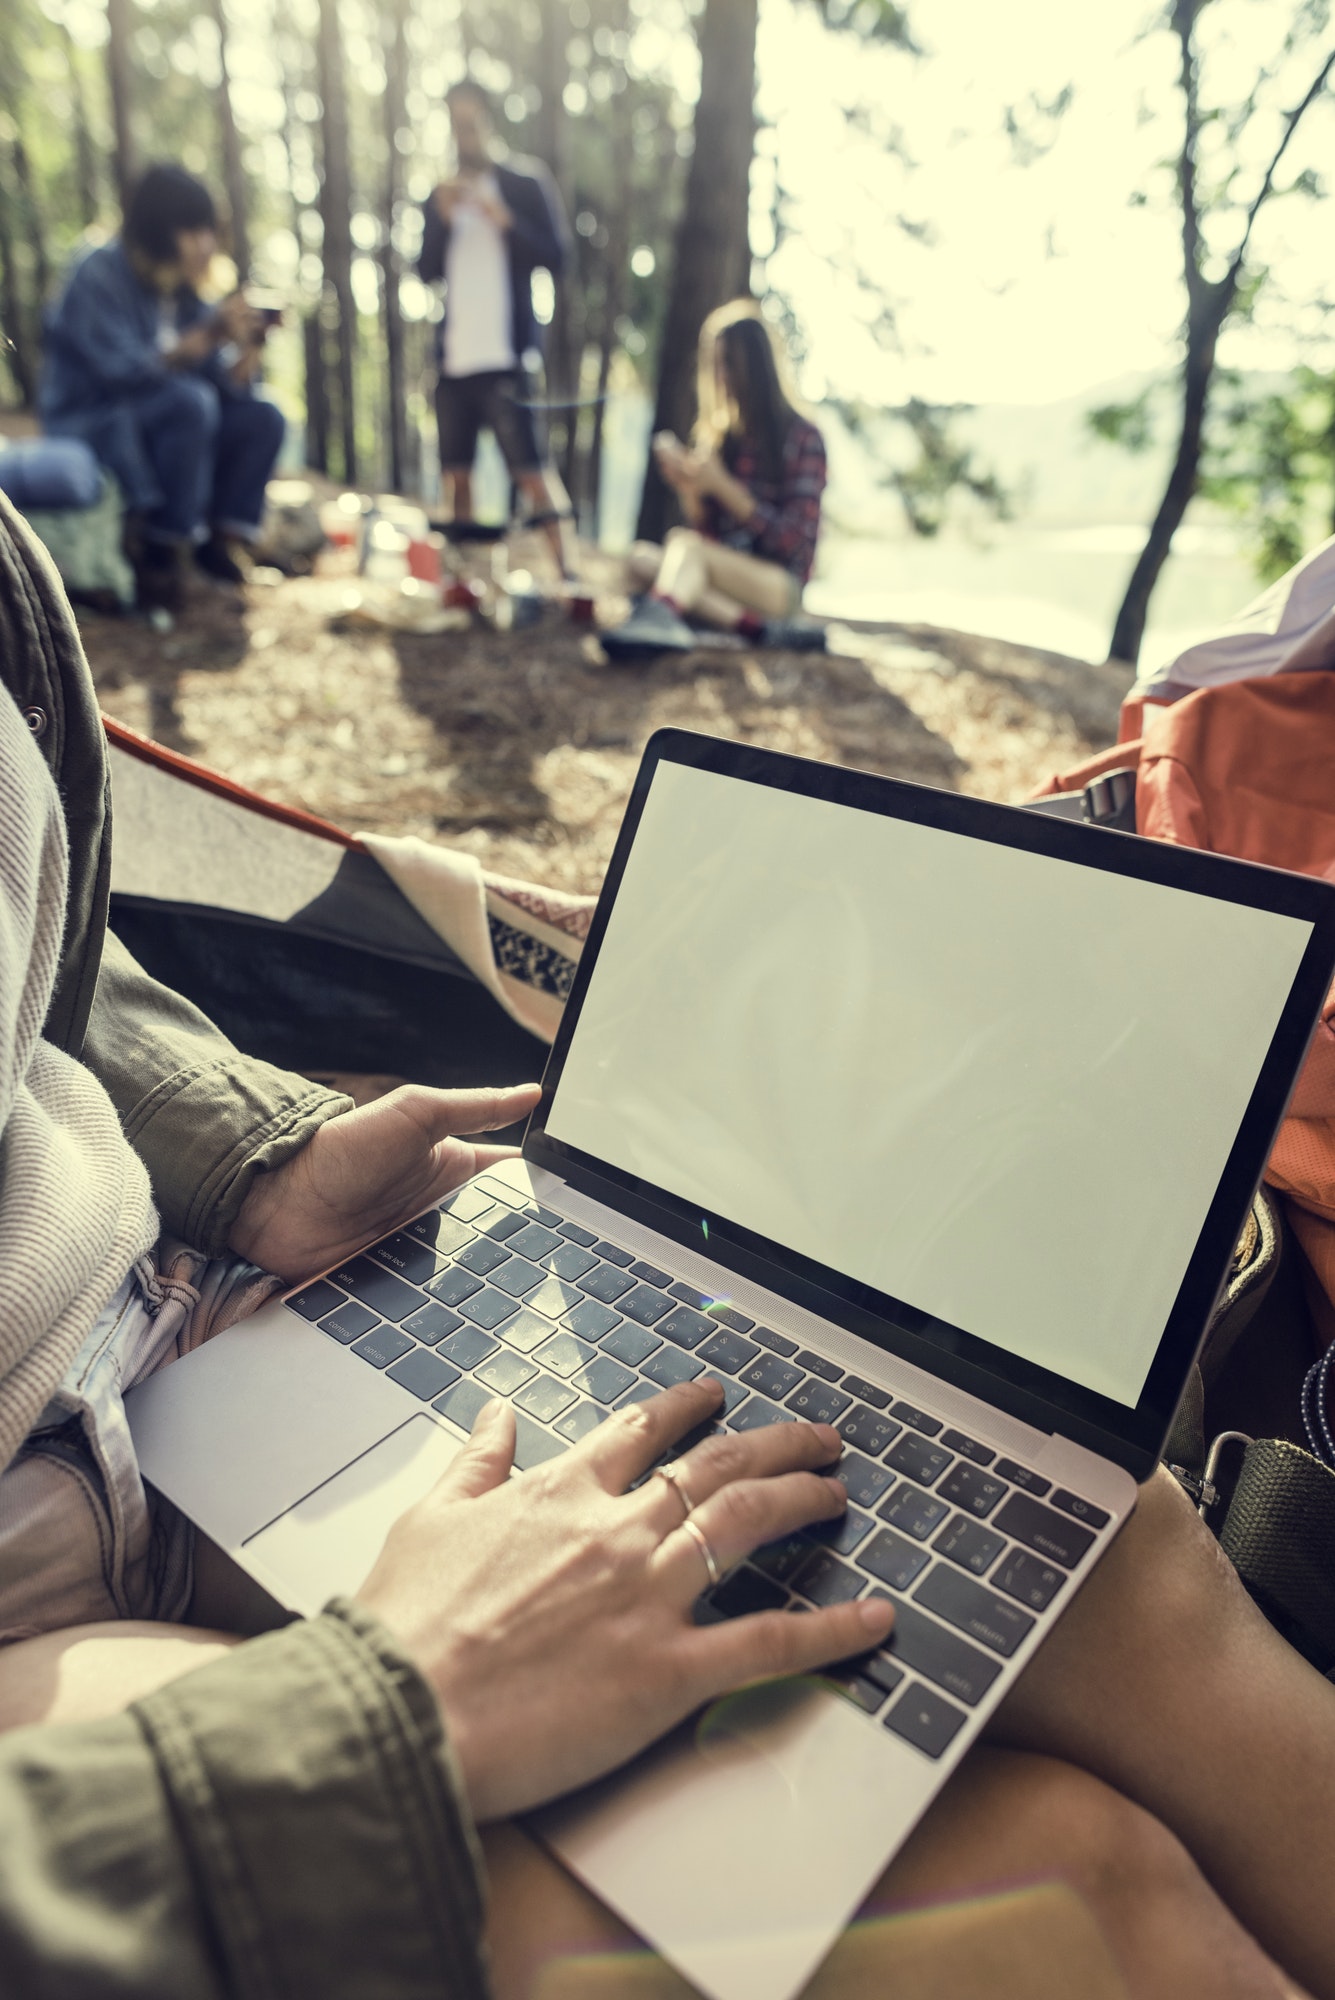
486 230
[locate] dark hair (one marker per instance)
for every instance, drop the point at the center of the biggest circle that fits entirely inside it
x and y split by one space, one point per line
751 401
163 200
467 86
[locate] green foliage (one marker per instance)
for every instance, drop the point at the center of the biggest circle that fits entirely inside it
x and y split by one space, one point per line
925 462
1130 425
874 20
1271 460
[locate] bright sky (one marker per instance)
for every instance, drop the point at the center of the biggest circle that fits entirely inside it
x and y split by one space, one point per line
1043 280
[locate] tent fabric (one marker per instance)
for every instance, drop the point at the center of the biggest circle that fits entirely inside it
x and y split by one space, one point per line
325 951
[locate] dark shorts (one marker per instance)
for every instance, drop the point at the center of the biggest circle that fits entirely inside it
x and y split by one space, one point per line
495 401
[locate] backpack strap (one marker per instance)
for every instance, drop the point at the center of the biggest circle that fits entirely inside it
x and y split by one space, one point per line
1279 1534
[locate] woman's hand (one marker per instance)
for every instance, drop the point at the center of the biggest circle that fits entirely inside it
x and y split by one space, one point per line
552 1613
366 1170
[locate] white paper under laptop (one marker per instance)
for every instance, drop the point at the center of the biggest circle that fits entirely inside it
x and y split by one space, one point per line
927 1116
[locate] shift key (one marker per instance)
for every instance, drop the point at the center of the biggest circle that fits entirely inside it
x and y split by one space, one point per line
938 1655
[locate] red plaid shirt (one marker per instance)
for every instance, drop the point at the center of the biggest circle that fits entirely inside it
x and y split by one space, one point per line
785 521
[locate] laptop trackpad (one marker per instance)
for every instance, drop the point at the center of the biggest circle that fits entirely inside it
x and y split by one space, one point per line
327 1544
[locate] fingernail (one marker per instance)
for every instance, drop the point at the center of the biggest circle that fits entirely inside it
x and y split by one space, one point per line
828 1436
872 1611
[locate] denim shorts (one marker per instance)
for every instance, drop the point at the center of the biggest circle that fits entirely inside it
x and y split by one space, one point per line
81 1539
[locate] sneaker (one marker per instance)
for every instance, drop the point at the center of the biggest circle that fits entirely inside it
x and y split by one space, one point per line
793 635
159 576
226 558
653 627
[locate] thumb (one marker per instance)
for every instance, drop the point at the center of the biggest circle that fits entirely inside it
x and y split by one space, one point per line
486 1459
445 1114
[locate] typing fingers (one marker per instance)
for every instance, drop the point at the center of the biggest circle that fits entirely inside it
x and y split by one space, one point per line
738 1518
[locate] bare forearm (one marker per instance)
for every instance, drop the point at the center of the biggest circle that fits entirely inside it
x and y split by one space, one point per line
1164 1679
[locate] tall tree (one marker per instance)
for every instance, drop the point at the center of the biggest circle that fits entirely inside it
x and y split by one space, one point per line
550 143
1210 300
395 29
85 153
234 178
712 257
125 158
336 218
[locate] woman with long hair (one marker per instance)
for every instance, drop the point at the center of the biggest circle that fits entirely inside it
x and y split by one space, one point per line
749 485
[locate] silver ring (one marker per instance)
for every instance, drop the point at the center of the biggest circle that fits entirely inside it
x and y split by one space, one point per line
691 1527
678 1485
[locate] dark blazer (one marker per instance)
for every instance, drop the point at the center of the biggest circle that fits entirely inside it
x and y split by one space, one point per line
538 240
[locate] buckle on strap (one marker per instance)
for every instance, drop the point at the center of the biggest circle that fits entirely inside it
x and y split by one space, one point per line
1203 1487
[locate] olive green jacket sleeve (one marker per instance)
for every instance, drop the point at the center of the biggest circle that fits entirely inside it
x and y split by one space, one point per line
204 1118
285 1822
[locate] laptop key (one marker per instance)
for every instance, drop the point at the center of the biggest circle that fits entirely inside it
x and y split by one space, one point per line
843 1533
670 1365
525 1331
755 1413
1028 1580
452 1287
544 1398
467 1347
783 1559
971 1489
1080 1510
468 1202
313 1301
728 1351
771 1376
553 1297
613 1253
517 1276
586 1238
920 1460
644 1305
464 1403
916 1512
406 1257
867 1431
939 1654
424 1373
916 1419
777 1343
533 1444
892 1559
501 1191
487 1308
501 1225
826 1580
568 1261
818 1402
864 1693
1038 1527
878 1668
816 1364
563 1354
631 1344
533 1241
639 1391
651 1274
590 1320
481 1257
967 1543
992 1620
729 1316
925 1720
733 1393
579 1421
382 1345
687 1327
605 1379
377 1288
863 1481
690 1295
431 1323
968 1447
504 1372
1020 1475
440 1232
867 1392
605 1282
535 1211
745 1591
349 1322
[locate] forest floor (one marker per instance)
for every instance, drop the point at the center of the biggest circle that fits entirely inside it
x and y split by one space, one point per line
520 747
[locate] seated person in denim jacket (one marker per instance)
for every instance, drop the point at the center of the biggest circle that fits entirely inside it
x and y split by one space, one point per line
162 386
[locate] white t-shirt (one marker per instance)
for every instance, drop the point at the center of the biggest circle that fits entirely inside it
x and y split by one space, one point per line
479 334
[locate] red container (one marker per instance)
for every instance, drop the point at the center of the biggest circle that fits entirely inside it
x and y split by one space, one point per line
424 559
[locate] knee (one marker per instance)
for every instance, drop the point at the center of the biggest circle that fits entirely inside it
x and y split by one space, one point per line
191 404
268 423
685 539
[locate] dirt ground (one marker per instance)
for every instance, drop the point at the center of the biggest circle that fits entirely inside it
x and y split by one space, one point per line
520 747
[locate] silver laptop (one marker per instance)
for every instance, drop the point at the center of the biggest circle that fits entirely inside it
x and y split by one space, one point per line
930 1118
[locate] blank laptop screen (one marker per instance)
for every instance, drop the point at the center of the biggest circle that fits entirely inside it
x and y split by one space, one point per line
995 1085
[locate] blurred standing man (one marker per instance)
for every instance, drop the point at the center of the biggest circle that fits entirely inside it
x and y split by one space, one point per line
485 232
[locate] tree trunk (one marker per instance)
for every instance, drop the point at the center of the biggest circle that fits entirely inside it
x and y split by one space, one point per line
712 259
336 216
125 159
615 267
85 155
234 179
18 357
396 388
560 347
317 393
1197 370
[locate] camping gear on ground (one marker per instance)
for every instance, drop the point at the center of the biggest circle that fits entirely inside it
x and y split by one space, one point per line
49 474
75 510
291 535
324 953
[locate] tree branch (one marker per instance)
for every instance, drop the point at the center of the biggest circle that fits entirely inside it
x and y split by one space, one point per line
1184 25
1291 124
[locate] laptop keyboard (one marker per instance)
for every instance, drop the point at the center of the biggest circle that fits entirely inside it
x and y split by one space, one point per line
494 1295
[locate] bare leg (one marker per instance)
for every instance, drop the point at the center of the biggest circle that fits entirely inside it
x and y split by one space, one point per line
456 492
1028 1880
91 1671
1164 1680
546 494
720 585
